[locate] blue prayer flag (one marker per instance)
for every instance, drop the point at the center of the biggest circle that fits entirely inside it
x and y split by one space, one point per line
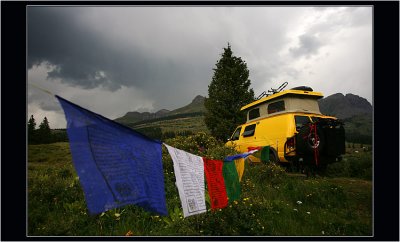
238 156
116 165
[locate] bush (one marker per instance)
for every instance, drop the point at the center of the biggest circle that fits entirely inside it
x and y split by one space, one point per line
353 165
196 144
267 173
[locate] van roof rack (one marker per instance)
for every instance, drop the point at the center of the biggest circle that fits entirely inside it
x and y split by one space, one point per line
272 91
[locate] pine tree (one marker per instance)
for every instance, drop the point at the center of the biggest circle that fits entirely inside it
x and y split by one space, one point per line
31 130
227 93
44 131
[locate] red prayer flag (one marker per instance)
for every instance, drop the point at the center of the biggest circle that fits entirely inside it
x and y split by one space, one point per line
250 148
215 183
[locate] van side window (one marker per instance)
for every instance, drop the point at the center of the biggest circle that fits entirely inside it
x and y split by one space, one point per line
236 135
254 113
276 107
300 121
249 130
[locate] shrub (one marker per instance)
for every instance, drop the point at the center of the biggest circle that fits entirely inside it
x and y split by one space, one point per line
353 165
267 173
196 144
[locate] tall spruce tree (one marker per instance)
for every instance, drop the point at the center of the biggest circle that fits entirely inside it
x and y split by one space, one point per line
31 130
44 132
227 93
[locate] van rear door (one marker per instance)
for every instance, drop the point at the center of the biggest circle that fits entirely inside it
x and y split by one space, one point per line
300 121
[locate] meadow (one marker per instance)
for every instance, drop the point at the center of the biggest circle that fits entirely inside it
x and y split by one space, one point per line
273 202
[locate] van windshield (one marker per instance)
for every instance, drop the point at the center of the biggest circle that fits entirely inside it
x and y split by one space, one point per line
236 134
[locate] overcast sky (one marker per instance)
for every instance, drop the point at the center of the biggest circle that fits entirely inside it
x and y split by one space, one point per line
112 60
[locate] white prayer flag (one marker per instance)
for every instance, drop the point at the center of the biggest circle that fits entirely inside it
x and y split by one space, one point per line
189 173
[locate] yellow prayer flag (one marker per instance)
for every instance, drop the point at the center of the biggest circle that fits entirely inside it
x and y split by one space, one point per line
239 163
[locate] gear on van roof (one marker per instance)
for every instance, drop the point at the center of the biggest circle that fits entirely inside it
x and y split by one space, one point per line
302 88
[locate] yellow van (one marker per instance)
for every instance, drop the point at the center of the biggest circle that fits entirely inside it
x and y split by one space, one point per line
291 124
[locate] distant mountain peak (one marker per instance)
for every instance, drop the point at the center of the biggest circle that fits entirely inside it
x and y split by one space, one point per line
163 111
344 106
198 99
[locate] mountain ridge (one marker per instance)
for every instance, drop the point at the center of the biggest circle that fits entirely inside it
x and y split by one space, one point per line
196 106
344 106
338 105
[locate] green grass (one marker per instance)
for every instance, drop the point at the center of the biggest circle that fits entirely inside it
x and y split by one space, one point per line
273 203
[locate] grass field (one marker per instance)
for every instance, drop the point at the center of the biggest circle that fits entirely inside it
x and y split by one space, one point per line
273 203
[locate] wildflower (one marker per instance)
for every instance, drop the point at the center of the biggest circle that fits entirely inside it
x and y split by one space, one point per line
308 213
295 209
299 202
323 232
129 233
236 202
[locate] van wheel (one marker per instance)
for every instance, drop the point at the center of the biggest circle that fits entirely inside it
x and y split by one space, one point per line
273 157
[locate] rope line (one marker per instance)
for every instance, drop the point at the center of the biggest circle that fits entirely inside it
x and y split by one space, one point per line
42 89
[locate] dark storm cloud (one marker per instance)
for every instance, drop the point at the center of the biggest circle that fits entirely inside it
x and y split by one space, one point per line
120 59
83 57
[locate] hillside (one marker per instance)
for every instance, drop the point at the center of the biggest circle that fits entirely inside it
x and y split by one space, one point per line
356 113
359 129
133 117
196 106
345 106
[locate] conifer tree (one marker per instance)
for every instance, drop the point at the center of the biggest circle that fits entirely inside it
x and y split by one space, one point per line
44 131
227 93
31 130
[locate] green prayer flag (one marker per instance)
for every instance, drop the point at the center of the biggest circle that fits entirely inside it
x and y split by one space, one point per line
265 154
231 179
